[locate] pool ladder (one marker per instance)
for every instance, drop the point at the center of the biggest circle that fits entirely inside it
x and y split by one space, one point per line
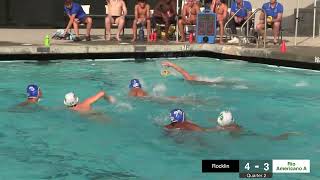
227 23
246 34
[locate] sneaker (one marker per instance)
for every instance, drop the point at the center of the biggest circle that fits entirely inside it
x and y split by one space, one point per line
234 40
245 40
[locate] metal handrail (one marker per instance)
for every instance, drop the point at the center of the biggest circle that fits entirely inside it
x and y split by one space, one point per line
265 24
177 22
225 26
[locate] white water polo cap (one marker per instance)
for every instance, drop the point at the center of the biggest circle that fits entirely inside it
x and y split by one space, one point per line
225 118
71 99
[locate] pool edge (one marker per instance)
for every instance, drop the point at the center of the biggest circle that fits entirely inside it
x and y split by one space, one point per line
294 57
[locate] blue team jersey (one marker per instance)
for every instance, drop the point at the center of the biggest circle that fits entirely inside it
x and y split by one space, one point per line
273 11
77 10
246 7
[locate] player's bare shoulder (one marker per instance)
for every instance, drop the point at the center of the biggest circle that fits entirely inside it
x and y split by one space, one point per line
136 7
122 3
148 6
196 6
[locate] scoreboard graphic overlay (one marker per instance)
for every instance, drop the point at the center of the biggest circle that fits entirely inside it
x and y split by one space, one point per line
256 168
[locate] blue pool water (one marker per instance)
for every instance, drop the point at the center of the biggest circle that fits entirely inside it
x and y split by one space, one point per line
127 141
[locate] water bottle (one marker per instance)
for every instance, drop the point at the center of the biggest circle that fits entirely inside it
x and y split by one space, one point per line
47 41
151 36
154 36
191 37
141 34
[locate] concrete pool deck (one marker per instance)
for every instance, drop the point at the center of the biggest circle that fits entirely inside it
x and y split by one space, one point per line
22 44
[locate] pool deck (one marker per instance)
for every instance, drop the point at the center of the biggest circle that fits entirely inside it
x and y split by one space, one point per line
28 44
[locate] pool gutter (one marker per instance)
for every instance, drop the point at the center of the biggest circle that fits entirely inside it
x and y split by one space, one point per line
298 57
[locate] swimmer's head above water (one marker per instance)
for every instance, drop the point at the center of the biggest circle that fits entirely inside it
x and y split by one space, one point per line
71 99
225 119
33 92
180 122
177 116
136 89
135 83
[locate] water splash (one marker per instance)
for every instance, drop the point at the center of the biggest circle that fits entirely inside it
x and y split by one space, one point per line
242 86
159 89
160 120
123 107
211 80
301 84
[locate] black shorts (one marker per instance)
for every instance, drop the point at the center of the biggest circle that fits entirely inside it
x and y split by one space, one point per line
159 20
115 18
83 20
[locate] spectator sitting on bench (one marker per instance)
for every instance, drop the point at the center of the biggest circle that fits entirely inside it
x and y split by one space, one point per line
274 11
117 11
238 20
76 16
165 13
221 9
189 14
142 18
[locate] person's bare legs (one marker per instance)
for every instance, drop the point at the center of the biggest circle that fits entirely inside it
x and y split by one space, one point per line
108 22
221 27
276 31
134 31
166 28
88 21
120 22
148 29
260 28
76 28
181 30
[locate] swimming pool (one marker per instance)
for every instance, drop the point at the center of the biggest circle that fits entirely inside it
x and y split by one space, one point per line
128 142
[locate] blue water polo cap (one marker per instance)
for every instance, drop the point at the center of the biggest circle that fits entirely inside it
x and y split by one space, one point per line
177 115
32 91
135 83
